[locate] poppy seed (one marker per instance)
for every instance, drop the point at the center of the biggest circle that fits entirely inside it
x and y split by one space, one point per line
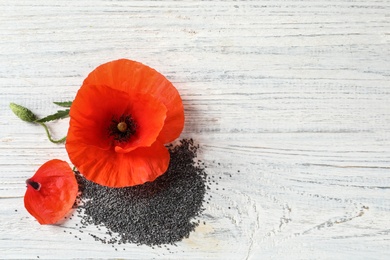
154 213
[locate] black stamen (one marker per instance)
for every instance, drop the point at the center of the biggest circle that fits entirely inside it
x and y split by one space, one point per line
123 128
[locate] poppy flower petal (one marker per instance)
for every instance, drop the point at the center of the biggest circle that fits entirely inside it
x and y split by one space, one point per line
146 163
95 107
113 169
51 192
131 76
149 115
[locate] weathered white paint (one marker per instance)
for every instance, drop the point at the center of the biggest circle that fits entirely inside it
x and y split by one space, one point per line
293 94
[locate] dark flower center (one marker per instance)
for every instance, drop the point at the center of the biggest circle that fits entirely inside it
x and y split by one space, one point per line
122 128
34 184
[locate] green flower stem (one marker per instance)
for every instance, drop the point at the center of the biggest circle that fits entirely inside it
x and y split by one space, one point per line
49 136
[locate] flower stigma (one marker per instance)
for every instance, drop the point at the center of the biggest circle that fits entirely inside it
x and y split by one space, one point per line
34 184
122 129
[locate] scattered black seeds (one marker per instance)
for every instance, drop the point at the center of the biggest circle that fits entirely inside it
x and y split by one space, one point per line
155 213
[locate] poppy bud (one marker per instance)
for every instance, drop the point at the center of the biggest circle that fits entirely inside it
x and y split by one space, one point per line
23 113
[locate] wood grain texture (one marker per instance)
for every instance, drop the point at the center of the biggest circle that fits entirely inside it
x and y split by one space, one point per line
290 98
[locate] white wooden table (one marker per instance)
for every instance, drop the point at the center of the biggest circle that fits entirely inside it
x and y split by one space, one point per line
295 95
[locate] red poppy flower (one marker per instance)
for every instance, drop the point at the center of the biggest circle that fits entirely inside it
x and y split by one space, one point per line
51 192
120 120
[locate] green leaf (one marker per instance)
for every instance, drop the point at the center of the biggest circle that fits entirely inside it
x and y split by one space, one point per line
23 113
63 104
59 115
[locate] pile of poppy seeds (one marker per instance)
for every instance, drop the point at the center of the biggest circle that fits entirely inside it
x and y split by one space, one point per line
155 213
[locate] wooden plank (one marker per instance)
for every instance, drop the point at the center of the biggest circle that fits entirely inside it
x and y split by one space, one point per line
290 98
